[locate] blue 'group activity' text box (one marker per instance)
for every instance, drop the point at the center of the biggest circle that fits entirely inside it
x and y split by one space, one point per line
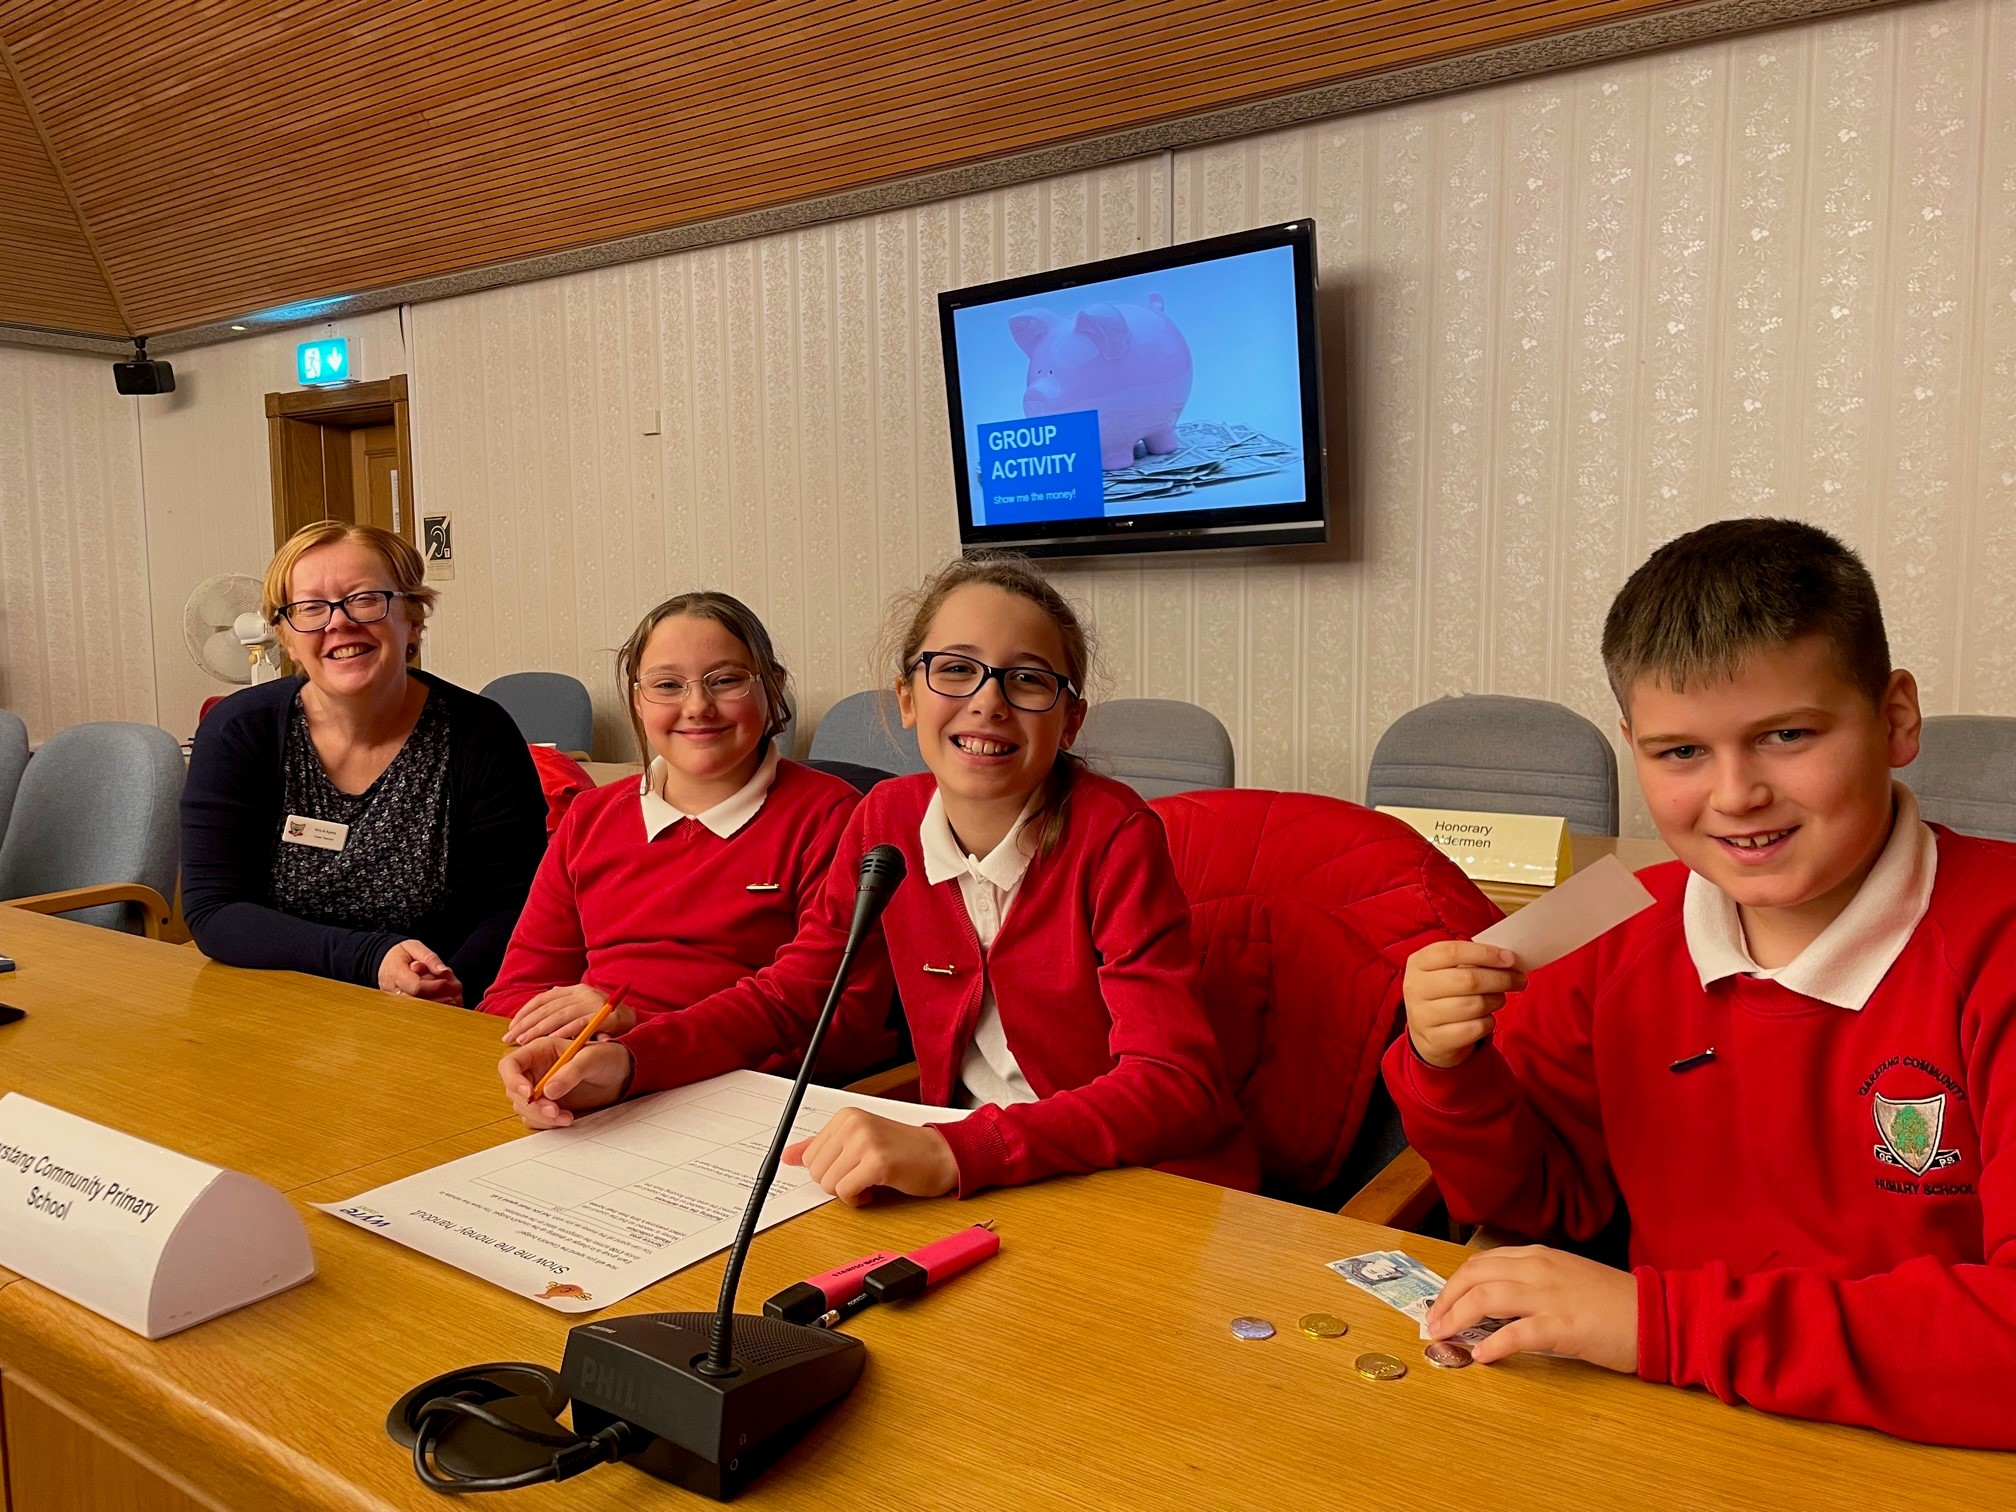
1041 469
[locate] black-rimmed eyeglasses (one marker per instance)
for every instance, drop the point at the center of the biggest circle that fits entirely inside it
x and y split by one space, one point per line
365 608
1033 690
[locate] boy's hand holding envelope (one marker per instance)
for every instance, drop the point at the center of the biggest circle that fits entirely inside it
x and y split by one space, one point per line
1454 988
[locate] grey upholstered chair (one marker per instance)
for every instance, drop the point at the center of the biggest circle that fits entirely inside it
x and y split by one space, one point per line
95 834
864 729
13 762
1157 746
550 707
1965 774
1498 755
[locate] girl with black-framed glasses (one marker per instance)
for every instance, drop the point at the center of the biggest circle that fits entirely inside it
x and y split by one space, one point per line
1039 939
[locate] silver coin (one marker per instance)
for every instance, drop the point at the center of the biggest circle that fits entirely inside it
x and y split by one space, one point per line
1252 1328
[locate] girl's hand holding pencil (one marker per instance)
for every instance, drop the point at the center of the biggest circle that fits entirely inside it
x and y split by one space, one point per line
553 1075
594 1078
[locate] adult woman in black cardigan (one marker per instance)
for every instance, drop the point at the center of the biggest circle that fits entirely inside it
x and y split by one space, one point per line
363 821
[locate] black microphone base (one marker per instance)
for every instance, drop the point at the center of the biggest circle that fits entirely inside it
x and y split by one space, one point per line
713 1434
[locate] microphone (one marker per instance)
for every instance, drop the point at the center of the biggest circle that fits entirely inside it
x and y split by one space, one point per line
721 1415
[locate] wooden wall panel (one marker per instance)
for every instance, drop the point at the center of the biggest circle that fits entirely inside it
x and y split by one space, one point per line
228 158
48 276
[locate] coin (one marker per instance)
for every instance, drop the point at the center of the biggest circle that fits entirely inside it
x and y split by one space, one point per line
1448 1355
1252 1328
1323 1326
1380 1367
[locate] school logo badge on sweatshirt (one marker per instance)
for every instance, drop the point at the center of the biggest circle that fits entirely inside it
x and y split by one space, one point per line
1910 1129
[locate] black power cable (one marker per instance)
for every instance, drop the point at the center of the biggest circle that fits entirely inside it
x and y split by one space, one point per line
573 1454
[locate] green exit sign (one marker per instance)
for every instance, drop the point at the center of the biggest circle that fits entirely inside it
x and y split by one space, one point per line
324 361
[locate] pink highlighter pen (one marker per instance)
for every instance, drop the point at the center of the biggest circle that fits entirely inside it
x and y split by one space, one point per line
921 1269
810 1300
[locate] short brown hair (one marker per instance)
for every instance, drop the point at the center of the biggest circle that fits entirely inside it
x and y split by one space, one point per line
740 621
1704 603
910 619
402 564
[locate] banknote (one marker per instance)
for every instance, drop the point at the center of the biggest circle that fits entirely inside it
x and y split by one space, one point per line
1207 452
1406 1285
1397 1279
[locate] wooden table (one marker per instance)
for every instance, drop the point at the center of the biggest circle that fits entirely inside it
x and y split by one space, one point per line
602 773
1090 1365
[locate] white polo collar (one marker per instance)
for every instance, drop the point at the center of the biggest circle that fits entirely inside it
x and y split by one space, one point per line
943 859
724 819
1846 964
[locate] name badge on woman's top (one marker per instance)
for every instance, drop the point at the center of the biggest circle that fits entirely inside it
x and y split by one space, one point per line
323 834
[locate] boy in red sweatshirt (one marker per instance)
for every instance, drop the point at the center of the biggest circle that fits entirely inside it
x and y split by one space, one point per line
1795 1072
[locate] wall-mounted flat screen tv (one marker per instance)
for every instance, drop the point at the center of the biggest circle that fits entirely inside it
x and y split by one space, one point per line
1152 402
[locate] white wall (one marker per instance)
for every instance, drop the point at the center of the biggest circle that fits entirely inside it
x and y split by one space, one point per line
76 636
1580 314
209 484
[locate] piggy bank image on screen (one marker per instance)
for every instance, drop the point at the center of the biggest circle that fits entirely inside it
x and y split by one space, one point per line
1126 361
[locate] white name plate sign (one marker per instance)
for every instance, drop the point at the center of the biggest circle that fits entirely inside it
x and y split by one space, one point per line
153 1240
1523 848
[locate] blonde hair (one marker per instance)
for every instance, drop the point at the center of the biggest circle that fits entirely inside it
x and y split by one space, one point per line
402 564
909 622
740 621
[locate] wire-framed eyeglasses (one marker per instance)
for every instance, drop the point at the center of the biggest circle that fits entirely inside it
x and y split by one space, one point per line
952 674
365 608
722 685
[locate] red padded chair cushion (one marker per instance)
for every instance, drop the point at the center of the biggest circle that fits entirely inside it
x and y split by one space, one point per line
1304 910
562 779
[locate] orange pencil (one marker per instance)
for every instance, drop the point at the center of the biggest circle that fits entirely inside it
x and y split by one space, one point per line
587 1033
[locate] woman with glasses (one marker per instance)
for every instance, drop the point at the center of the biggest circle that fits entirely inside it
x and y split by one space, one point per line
1039 938
681 884
362 820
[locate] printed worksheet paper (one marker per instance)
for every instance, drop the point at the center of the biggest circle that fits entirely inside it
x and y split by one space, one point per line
581 1217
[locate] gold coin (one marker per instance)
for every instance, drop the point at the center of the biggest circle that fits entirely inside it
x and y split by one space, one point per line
1324 1326
1380 1367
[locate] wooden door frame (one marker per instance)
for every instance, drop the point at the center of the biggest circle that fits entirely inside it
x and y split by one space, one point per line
380 402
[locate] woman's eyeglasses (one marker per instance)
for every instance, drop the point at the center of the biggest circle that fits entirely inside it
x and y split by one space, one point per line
1033 690
724 685
365 608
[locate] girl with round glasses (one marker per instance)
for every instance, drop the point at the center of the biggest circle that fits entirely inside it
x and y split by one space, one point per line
361 820
1039 939
686 881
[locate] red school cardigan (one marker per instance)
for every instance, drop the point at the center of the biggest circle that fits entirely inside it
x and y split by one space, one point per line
1094 977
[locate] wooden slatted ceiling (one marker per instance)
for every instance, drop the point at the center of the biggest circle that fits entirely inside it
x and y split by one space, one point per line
230 157
48 276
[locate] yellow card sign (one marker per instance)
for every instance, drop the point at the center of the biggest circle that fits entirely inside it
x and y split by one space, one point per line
1524 848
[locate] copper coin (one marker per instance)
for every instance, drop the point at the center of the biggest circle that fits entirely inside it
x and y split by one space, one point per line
1448 1355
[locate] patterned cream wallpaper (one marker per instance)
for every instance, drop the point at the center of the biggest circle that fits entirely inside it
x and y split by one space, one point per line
1566 319
1569 318
76 643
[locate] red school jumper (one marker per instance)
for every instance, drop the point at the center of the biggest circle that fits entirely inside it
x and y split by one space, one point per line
1799 1242
1093 974
689 913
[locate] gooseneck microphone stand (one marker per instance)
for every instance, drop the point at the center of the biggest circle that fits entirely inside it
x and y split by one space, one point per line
881 869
